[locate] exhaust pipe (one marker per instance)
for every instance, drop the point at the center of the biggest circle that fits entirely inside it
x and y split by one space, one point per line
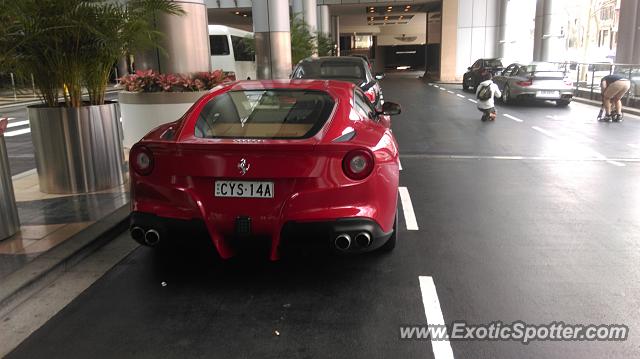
152 237
363 239
137 233
342 242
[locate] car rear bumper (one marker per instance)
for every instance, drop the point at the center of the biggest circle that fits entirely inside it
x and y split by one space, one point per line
531 94
294 236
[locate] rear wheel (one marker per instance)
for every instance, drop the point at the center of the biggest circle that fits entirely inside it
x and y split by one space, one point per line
465 87
506 96
391 242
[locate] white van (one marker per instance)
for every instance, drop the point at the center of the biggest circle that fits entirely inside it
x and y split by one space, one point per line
230 53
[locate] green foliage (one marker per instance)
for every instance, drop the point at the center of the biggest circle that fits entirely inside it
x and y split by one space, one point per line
71 44
325 45
303 42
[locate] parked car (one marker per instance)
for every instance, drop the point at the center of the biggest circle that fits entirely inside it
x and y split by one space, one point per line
231 52
472 77
537 81
366 58
343 68
301 163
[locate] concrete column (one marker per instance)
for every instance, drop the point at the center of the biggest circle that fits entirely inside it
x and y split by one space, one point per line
449 40
185 42
323 19
335 32
306 9
273 41
547 31
628 48
501 30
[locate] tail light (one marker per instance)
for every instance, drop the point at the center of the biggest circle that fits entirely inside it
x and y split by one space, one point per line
529 82
358 164
371 95
141 159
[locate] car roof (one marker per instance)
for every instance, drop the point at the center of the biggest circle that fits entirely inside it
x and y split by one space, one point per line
352 59
295 84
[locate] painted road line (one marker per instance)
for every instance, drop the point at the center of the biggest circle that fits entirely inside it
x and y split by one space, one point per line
545 132
602 157
17 132
522 158
433 312
472 100
459 95
451 92
443 89
512 117
399 164
407 209
19 123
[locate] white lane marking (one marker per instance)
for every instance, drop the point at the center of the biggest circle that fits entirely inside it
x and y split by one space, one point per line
472 100
524 158
17 132
399 164
449 91
19 123
407 209
512 117
433 312
459 95
545 132
443 89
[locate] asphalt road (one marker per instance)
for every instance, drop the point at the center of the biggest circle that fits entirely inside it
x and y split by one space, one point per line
532 218
18 137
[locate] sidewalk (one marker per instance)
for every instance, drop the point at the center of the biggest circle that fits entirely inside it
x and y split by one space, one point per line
54 228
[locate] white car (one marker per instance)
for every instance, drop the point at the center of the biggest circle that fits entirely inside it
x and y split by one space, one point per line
229 51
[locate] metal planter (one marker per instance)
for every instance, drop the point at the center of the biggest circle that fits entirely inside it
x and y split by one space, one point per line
9 222
77 150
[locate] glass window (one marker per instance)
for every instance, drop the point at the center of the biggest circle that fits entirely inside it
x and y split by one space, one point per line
331 70
363 106
242 50
219 45
493 63
264 114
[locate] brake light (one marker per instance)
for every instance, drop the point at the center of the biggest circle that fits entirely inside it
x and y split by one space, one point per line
525 83
358 164
371 95
141 159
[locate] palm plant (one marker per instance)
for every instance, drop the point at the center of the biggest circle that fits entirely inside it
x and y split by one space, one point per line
69 45
303 42
325 45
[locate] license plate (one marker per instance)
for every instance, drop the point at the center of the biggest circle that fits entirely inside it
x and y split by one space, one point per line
244 189
548 94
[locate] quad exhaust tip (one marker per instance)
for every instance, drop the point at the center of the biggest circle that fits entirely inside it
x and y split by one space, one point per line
151 237
137 233
342 242
363 239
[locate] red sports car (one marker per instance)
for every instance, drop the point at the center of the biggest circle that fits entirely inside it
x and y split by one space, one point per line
301 163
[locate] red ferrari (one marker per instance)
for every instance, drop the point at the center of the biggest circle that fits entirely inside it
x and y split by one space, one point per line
299 163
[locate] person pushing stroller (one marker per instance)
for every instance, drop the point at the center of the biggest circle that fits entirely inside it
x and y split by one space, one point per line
485 93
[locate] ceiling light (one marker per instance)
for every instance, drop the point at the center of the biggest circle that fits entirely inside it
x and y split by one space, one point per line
245 15
408 6
388 10
237 12
406 9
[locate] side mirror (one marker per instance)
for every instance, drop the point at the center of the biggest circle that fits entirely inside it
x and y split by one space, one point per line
390 109
379 76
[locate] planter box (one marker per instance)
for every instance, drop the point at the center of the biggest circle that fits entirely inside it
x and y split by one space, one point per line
77 150
143 111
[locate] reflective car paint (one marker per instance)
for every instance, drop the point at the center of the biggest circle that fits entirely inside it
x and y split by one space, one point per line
309 181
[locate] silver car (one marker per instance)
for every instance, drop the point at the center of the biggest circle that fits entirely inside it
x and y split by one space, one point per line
537 81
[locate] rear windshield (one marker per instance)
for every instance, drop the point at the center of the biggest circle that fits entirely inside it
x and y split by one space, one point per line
331 70
493 63
264 114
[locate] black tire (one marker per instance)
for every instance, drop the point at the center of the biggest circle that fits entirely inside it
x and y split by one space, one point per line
465 87
563 103
391 242
506 96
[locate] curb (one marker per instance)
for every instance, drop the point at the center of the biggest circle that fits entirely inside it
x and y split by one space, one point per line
21 284
630 110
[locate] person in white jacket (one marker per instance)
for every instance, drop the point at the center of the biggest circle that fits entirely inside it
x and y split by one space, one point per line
487 106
